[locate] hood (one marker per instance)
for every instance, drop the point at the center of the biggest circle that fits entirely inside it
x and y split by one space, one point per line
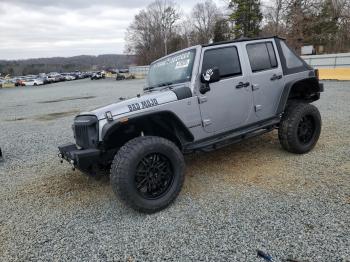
136 104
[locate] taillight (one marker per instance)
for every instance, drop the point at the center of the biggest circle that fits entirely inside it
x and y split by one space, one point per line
317 74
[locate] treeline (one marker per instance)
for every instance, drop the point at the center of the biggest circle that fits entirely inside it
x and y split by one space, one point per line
162 27
65 64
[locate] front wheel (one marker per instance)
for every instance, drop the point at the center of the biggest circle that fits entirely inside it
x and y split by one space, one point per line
300 128
148 173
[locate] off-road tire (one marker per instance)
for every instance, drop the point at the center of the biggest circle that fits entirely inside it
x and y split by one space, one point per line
124 171
288 133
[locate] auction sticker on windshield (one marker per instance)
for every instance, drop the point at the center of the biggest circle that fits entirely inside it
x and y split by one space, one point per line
182 64
181 61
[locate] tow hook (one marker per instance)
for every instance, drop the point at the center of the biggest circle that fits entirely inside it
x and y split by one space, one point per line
60 157
72 163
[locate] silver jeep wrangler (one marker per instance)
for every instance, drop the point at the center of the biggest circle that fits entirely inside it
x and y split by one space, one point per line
197 99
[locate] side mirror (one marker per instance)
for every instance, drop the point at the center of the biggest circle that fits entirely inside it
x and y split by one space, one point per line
211 75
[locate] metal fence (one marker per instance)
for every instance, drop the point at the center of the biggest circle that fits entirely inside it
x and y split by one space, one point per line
328 61
139 71
341 60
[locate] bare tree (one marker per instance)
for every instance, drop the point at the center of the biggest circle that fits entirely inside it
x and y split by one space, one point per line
149 34
339 8
158 29
186 31
165 14
204 17
275 14
341 17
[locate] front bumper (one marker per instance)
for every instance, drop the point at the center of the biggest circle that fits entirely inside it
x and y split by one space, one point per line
82 159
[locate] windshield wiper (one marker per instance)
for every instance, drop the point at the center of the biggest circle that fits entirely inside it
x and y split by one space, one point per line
165 84
150 88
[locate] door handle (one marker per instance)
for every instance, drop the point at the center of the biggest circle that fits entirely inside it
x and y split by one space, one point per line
275 77
241 84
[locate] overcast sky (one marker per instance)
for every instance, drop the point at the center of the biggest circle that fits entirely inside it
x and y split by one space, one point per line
47 28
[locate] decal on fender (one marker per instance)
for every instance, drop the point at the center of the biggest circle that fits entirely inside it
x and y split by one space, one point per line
143 104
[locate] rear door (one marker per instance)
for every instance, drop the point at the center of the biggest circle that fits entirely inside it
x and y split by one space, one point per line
266 76
228 103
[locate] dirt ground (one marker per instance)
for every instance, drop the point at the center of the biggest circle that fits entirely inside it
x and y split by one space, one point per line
248 196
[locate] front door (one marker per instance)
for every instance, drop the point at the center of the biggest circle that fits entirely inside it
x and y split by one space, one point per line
266 77
229 102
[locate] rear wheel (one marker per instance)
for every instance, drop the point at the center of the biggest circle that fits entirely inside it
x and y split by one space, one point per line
300 128
148 173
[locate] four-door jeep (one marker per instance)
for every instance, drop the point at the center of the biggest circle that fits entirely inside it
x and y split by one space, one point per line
198 99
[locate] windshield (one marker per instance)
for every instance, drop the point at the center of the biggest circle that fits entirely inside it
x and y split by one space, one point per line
171 70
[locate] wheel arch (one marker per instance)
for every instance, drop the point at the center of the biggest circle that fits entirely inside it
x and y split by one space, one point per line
307 89
164 124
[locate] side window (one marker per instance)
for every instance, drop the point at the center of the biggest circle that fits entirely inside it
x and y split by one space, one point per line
272 55
262 56
292 61
226 59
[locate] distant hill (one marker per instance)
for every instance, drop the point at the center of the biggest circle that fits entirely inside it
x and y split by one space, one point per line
65 64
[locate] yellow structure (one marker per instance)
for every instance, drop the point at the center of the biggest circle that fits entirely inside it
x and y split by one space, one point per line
111 75
334 73
8 84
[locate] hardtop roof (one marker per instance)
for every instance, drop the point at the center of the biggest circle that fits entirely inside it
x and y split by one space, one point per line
242 39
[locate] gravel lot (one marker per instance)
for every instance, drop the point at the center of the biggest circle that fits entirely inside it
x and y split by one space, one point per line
245 197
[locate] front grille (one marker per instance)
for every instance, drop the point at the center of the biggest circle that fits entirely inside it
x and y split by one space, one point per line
86 131
82 135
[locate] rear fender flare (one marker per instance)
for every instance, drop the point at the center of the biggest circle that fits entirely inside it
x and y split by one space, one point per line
314 82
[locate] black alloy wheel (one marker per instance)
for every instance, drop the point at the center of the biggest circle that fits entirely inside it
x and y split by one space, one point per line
306 129
300 127
154 176
147 173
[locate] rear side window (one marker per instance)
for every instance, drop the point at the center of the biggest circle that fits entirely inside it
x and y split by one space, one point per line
262 56
226 59
292 61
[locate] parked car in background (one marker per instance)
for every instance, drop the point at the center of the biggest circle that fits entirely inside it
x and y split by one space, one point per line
33 82
98 75
88 74
61 78
78 75
68 76
19 82
120 77
51 78
125 70
125 76
54 77
46 80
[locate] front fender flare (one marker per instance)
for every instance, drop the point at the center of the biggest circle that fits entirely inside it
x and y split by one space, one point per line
113 126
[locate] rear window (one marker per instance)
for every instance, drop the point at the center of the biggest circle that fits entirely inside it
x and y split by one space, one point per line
262 56
226 59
